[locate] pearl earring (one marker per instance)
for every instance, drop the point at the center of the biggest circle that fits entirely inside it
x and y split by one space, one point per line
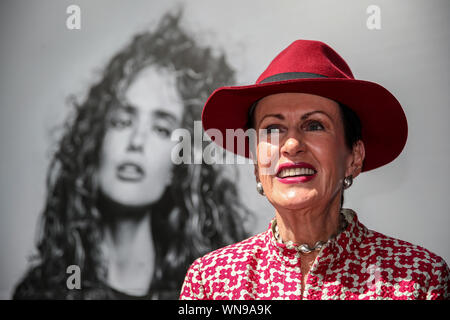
259 188
348 181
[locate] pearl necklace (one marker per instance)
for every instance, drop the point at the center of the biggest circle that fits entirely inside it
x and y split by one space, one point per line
305 248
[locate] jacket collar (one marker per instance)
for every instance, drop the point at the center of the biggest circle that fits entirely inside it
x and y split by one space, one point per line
344 244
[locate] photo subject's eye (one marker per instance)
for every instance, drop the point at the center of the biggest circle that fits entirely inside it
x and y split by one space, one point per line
162 131
314 126
121 122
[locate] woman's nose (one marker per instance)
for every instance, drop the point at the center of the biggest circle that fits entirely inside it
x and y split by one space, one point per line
137 140
292 146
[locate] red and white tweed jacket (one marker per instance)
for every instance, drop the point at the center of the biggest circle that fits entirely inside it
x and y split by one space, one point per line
358 264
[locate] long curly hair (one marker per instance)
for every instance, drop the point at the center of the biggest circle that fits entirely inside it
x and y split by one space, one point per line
198 212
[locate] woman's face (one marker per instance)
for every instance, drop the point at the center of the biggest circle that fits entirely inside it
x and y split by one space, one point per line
135 163
311 158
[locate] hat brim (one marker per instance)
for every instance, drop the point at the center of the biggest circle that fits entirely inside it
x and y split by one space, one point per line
384 124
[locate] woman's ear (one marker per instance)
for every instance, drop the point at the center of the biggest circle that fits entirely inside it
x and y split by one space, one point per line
357 159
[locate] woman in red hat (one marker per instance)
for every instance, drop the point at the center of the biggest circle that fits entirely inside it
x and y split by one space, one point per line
320 128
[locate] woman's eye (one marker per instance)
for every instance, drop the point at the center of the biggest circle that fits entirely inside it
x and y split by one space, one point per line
273 129
162 131
121 123
314 126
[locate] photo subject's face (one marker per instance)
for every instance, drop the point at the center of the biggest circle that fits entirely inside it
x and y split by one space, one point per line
135 164
310 152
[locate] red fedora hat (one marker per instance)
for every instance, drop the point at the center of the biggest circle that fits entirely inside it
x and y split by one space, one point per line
313 67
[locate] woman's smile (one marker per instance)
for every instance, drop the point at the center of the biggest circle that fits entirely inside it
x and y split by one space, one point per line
290 173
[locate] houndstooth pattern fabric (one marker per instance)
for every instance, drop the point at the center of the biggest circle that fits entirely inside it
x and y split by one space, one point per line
358 264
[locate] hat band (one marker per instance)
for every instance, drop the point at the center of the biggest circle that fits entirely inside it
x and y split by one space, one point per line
291 76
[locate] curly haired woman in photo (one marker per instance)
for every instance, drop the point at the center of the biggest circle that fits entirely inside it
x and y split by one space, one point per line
116 205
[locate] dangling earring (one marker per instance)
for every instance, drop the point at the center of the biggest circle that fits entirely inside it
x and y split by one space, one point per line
259 188
348 181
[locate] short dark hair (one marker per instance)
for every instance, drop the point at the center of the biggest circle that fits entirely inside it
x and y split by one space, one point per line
352 125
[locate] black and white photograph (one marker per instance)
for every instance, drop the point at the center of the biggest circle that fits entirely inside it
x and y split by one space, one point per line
129 169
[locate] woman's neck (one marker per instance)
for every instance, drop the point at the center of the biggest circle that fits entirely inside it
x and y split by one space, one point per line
309 225
129 250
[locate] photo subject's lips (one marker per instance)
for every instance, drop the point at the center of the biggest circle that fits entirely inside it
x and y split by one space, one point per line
290 173
130 171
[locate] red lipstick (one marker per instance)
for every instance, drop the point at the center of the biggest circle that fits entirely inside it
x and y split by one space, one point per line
301 176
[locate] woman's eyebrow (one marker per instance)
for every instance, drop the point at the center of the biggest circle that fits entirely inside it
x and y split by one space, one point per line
303 117
156 113
308 114
275 115
128 109
165 115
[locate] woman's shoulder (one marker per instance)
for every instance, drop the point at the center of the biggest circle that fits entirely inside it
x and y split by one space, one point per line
37 284
31 286
394 247
399 259
212 268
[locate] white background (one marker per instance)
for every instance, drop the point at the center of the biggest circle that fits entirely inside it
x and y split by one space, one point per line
42 63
